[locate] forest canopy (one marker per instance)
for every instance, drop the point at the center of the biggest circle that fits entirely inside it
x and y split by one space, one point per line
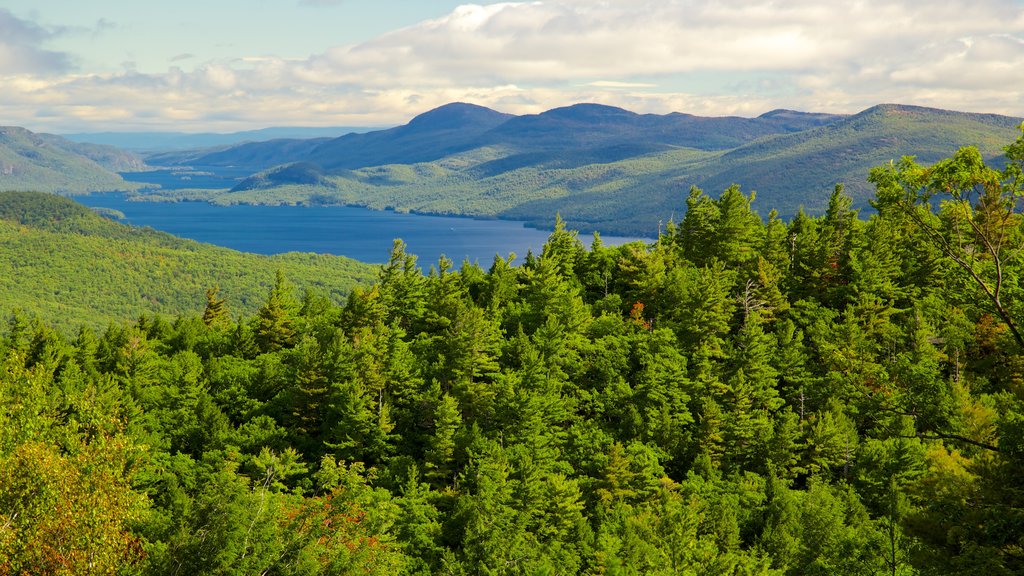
836 394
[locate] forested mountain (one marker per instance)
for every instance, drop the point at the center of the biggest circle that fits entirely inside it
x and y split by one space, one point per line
602 168
67 265
30 161
460 127
836 394
586 126
429 136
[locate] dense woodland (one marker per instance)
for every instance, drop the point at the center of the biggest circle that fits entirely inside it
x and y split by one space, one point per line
830 395
66 265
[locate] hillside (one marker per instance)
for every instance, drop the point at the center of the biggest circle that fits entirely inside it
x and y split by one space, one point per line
584 126
30 161
786 171
109 157
429 136
601 167
68 265
801 167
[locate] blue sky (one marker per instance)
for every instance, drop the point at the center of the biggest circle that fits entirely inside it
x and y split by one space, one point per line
225 65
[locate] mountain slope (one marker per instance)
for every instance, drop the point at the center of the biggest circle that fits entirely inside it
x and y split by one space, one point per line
253 155
30 161
799 167
109 157
65 264
787 171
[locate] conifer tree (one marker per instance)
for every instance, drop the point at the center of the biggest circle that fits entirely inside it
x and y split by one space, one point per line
275 324
738 230
699 228
216 313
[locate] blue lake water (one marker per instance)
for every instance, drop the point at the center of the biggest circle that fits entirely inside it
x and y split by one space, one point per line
350 231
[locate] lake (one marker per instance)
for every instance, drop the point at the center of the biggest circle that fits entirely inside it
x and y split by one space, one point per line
351 231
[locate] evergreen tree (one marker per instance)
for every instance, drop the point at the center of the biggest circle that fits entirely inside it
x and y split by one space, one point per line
216 312
275 324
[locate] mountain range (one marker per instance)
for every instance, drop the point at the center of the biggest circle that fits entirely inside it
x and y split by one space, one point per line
605 132
600 167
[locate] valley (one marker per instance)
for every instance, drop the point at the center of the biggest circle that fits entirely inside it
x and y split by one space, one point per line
602 168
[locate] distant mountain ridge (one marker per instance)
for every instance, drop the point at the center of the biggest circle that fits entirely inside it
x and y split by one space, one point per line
601 167
155 142
460 127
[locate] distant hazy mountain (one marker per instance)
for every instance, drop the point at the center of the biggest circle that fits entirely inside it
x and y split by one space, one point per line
608 133
443 131
430 136
48 163
595 125
166 141
603 167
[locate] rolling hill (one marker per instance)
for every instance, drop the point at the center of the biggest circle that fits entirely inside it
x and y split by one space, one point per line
64 263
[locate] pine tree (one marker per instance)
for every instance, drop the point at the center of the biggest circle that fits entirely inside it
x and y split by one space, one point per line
738 230
216 312
275 324
699 228
440 455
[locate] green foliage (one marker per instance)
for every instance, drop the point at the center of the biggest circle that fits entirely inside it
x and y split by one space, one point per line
817 397
68 266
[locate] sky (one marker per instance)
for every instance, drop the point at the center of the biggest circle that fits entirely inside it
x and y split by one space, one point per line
229 65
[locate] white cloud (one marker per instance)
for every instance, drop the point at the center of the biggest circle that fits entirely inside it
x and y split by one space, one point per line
21 48
530 56
620 85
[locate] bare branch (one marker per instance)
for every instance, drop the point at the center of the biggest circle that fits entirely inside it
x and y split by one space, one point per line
956 437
